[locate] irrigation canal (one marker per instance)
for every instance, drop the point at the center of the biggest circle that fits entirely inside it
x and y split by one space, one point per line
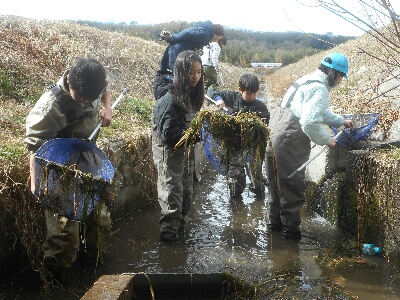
229 236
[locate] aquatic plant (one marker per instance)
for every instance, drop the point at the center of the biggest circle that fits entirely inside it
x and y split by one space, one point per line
235 135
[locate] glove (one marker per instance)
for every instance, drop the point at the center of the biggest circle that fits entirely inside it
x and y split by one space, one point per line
211 91
164 35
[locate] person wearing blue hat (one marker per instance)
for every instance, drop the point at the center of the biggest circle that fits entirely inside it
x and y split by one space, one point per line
299 119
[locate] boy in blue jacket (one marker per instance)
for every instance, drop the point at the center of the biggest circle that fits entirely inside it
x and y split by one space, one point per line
245 101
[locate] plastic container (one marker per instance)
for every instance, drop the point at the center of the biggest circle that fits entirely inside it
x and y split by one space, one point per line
371 249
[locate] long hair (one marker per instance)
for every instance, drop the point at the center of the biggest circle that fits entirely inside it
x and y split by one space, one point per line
187 96
331 73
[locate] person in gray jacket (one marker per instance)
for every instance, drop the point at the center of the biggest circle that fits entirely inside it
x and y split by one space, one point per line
172 115
70 108
245 101
299 119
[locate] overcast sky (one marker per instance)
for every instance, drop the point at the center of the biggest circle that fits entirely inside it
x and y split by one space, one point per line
265 15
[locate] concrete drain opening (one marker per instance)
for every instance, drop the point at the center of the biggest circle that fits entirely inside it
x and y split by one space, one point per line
132 286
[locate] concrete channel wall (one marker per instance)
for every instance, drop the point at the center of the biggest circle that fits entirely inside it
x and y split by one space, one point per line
357 189
169 286
135 174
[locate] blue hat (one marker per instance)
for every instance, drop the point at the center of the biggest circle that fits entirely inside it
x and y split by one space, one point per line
339 62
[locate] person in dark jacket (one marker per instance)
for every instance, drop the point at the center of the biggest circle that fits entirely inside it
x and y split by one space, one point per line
172 115
245 101
192 38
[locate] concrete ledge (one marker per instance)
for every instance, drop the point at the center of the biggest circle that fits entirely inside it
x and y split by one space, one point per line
163 286
111 287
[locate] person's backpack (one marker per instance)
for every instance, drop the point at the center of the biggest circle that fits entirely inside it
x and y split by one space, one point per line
162 82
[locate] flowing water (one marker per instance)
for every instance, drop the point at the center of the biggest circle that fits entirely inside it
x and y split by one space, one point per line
225 235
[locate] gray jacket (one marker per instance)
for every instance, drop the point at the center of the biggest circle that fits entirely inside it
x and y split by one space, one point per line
57 115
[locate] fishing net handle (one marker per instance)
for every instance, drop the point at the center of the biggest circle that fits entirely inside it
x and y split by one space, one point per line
341 130
226 109
94 133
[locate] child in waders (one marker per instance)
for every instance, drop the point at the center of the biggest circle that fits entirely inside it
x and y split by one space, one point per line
172 115
299 119
71 108
245 101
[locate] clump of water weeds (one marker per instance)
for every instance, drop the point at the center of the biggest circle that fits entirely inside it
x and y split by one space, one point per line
235 135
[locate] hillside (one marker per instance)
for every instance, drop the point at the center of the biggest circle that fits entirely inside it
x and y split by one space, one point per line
244 46
370 68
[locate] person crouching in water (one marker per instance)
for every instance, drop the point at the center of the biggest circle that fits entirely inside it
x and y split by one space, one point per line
172 115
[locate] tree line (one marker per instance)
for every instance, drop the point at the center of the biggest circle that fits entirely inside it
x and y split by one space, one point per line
244 46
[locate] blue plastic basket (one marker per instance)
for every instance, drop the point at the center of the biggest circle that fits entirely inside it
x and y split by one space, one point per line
72 176
363 124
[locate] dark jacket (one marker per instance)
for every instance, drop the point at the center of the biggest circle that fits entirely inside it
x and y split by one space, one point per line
235 101
169 119
192 38
162 82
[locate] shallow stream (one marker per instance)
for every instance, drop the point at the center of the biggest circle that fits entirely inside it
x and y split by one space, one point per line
230 236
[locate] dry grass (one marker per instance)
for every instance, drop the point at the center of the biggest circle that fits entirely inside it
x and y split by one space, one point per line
359 93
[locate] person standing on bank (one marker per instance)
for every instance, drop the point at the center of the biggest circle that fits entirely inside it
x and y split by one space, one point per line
192 38
210 59
245 101
299 119
71 108
172 115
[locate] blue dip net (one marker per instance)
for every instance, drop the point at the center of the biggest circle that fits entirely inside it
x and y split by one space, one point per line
72 176
363 124
217 156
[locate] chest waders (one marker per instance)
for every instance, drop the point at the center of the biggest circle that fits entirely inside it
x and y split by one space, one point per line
175 169
84 120
290 148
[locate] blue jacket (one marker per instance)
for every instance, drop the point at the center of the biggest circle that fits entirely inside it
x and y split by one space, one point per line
192 38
